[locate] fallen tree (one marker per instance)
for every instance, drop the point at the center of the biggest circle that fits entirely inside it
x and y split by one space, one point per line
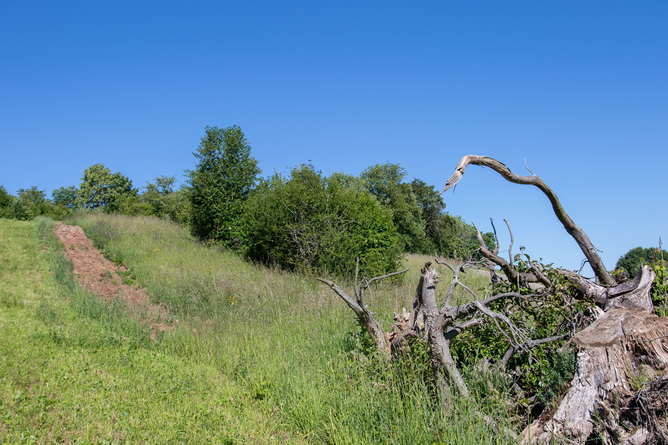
621 353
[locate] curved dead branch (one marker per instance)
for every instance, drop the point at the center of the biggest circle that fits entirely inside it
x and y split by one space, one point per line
575 231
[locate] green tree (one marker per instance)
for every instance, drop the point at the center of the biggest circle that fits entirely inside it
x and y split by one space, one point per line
220 184
102 189
431 209
385 183
176 205
156 193
320 224
634 259
30 203
66 196
6 201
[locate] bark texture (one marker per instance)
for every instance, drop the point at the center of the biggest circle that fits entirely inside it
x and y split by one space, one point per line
623 348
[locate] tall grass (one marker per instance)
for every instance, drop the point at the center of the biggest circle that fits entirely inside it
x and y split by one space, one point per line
288 341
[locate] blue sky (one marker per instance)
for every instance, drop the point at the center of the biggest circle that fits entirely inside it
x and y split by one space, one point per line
578 89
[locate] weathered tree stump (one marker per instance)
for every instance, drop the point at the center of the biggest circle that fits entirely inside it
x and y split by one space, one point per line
623 348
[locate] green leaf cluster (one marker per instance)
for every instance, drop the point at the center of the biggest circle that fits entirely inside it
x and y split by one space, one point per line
418 213
545 371
385 182
66 196
312 223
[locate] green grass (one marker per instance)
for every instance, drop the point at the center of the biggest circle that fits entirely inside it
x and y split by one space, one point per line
288 343
73 370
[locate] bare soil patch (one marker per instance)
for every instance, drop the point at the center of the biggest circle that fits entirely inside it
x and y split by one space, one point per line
106 279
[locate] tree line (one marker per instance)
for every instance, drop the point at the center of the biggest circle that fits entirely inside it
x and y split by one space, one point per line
302 220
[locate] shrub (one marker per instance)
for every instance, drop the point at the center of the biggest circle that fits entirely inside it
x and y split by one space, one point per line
6 201
65 196
385 183
314 223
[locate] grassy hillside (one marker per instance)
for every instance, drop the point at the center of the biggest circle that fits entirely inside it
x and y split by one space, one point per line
256 353
75 371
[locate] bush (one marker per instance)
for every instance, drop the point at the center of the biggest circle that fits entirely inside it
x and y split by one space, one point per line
385 183
6 201
65 196
30 204
319 224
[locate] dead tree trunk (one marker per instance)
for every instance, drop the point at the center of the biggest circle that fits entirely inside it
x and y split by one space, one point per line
625 346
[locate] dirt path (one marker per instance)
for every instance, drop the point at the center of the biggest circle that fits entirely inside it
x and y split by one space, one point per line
106 279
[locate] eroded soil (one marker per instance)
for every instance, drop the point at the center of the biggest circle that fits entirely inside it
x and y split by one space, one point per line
108 280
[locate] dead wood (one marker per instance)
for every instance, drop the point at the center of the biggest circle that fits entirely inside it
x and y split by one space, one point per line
363 313
436 326
575 231
626 342
520 279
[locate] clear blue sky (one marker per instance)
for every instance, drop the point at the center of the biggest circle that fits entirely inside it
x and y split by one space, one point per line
578 89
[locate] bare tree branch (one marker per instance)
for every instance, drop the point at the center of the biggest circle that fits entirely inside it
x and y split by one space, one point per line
576 232
503 363
510 248
519 337
366 286
365 317
455 279
496 238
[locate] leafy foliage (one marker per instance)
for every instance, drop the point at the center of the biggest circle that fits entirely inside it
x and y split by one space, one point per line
546 369
29 204
156 192
634 259
222 181
5 203
431 212
65 196
102 189
314 223
384 181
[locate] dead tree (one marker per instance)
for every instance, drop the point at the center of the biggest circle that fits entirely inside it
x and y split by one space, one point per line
436 324
574 230
625 342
